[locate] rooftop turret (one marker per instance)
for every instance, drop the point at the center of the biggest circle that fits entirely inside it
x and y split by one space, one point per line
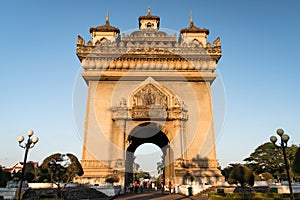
149 21
104 32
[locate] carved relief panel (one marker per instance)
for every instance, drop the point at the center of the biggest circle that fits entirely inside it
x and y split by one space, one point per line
151 101
149 96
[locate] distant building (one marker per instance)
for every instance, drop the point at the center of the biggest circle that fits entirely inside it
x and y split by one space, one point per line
18 166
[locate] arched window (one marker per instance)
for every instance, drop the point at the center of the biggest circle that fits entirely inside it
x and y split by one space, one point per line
150 25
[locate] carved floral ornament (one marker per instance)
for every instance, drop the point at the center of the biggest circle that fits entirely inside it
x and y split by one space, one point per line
149 56
151 101
108 54
103 163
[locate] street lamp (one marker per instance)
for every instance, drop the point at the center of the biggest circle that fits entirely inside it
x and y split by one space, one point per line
284 138
30 144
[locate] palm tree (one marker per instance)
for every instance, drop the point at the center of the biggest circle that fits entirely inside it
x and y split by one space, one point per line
161 167
135 169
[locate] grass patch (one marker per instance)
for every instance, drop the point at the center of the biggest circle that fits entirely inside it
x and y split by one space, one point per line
254 196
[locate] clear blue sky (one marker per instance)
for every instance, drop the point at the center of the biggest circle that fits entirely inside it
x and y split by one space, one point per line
259 67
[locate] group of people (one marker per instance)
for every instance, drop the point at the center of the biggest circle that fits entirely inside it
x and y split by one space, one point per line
138 187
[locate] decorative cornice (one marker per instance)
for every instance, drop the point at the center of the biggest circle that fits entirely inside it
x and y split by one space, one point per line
149 51
148 64
141 75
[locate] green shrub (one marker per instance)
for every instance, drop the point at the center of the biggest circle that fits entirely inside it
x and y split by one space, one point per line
47 196
217 197
252 196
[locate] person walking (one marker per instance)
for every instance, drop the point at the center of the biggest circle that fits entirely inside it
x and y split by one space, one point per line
141 186
162 187
136 187
170 187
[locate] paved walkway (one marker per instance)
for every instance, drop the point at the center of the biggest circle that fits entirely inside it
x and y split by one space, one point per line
152 195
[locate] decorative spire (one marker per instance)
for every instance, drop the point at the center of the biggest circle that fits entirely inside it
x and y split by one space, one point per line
193 28
149 13
149 20
106 27
107 18
191 19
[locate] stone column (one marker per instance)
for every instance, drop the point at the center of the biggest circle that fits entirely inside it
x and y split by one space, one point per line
169 165
120 115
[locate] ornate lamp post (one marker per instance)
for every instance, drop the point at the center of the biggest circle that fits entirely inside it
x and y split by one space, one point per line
284 138
28 145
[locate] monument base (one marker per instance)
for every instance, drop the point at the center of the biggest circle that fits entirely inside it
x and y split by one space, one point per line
98 172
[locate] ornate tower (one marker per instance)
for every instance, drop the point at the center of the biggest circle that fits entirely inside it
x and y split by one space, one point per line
149 87
149 21
194 34
105 32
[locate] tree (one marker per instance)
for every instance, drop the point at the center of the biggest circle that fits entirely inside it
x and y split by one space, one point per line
30 172
296 163
161 168
30 175
265 176
61 168
227 170
269 158
4 177
241 175
135 169
142 174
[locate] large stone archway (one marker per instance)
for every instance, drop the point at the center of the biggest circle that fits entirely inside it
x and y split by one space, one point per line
144 83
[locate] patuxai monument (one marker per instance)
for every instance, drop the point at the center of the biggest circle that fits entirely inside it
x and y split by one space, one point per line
149 86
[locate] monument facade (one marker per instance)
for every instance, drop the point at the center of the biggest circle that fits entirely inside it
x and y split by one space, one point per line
149 87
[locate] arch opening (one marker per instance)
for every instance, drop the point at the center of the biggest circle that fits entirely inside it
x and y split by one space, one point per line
148 159
147 133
